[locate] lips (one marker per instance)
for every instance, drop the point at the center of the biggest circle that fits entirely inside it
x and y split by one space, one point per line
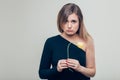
69 30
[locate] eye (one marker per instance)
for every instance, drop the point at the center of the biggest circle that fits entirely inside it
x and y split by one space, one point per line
73 21
66 21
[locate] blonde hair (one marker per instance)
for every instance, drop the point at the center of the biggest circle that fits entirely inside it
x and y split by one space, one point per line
83 32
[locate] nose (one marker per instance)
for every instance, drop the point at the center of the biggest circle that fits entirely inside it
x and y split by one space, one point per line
69 25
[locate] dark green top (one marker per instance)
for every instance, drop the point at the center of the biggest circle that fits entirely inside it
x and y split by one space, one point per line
55 48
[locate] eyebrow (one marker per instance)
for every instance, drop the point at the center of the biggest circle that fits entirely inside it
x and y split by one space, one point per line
72 20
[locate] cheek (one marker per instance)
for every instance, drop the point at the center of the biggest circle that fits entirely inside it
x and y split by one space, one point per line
63 27
77 27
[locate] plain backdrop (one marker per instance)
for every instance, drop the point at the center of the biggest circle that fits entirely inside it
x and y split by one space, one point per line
26 24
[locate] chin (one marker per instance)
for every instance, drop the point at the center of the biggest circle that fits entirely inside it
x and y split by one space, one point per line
70 34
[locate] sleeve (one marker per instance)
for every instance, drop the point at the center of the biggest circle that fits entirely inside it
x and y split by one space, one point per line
45 72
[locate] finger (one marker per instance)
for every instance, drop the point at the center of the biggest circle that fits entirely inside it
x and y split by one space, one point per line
62 64
70 64
71 60
62 67
63 61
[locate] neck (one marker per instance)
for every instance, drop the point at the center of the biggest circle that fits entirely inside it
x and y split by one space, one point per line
71 38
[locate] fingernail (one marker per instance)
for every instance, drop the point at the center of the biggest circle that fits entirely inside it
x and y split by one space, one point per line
66 60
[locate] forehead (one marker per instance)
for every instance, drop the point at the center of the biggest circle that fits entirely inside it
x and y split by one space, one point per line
73 17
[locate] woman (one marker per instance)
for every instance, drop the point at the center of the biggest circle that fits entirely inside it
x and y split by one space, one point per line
70 55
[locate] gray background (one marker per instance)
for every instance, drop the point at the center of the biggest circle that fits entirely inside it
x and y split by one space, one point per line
26 24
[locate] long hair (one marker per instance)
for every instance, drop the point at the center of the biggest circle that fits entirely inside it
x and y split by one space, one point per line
67 10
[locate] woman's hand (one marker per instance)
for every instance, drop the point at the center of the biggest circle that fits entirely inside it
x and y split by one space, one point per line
62 64
74 64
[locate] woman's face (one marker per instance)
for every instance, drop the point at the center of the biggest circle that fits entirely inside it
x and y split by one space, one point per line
71 26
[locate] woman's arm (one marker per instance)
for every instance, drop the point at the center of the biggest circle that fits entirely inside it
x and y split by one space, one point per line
45 71
90 68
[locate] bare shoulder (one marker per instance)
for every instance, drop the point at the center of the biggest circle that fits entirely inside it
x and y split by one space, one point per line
90 40
90 43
